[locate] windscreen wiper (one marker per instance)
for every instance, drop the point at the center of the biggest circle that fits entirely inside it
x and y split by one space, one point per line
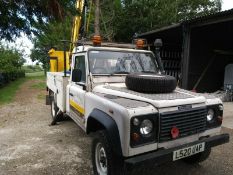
120 72
144 71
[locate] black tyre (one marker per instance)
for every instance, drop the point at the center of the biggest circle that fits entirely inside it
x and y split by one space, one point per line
104 161
197 158
54 109
56 116
150 83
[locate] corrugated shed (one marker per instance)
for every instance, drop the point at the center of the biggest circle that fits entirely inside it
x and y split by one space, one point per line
202 20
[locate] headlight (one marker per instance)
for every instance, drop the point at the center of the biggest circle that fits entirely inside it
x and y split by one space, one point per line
146 127
210 115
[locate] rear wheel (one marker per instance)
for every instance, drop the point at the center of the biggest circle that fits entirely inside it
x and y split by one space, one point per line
55 111
104 161
197 158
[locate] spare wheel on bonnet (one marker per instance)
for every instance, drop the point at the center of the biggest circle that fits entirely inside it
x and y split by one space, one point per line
150 83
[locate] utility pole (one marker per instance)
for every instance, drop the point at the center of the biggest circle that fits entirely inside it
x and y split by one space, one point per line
97 17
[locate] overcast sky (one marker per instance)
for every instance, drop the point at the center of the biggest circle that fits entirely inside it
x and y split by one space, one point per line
227 4
25 44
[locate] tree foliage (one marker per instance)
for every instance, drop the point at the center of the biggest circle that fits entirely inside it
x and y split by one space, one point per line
120 20
145 15
26 15
11 60
50 36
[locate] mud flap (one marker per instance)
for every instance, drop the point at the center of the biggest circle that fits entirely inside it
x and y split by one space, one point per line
48 100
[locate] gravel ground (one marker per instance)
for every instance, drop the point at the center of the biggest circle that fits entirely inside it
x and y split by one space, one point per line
28 145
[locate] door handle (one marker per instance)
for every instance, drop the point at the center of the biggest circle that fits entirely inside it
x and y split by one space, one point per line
71 94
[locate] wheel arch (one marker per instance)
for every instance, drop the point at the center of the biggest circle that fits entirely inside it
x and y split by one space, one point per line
99 120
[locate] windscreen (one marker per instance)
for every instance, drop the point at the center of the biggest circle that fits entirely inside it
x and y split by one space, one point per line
114 62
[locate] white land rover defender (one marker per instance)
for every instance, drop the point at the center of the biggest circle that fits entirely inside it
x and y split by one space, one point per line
137 113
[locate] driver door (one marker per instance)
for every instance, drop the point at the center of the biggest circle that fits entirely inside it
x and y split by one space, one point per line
78 90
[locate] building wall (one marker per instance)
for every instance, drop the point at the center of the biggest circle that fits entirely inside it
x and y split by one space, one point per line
209 54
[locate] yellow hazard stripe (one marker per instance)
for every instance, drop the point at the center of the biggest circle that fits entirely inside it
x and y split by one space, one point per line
77 107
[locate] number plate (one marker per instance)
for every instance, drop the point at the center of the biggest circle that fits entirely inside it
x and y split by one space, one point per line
186 152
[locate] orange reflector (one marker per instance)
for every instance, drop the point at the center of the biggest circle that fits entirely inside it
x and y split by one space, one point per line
220 119
135 137
96 39
140 44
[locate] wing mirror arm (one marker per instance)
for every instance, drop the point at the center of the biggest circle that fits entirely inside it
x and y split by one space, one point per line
158 44
82 84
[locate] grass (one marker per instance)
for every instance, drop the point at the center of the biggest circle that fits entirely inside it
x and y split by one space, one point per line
41 96
37 75
40 85
8 92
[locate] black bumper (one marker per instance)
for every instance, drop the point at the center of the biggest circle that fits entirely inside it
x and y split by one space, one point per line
165 155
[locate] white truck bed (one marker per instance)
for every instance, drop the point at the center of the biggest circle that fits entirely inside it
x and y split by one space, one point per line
58 83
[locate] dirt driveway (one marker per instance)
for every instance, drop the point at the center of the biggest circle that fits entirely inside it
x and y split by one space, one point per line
28 145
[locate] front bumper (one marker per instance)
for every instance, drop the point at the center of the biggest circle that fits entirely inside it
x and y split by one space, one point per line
165 155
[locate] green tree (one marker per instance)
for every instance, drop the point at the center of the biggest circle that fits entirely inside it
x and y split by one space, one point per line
120 20
26 15
11 60
108 15
144 15
50 36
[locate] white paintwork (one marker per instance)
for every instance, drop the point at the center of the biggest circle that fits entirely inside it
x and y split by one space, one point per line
58 83
213 101
121 115
86 48
156 103
77 94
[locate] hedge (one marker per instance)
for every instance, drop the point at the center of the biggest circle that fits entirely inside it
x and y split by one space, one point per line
6 77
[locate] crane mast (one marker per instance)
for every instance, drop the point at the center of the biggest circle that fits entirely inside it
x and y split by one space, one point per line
77 23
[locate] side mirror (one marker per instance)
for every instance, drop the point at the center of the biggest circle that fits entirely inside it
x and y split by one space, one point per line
76 75
158 44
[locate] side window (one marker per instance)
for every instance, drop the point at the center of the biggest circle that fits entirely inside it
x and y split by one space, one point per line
80 65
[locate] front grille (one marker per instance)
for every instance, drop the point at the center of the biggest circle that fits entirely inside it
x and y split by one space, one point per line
188 122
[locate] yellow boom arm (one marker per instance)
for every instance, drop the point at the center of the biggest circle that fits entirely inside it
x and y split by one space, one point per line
76 24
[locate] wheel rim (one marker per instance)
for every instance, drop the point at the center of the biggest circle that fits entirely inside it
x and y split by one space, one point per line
53 110
101 160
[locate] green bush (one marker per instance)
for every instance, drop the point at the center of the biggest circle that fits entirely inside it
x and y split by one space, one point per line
11 62
10 76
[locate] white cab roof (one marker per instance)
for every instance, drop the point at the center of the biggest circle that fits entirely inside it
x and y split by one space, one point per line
86 48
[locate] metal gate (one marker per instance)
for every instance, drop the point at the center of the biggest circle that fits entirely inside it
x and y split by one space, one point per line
171 62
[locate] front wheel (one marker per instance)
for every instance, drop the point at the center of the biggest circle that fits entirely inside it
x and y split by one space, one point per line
104 161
